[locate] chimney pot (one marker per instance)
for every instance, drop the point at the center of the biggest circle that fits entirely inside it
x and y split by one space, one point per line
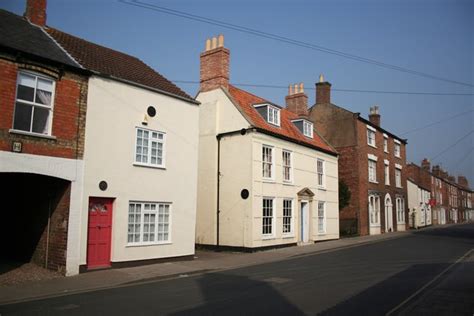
214 69
297 100
374 116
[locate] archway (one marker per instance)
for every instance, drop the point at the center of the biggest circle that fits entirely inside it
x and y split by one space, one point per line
388 214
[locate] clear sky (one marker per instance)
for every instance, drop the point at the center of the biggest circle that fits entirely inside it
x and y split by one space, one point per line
430 36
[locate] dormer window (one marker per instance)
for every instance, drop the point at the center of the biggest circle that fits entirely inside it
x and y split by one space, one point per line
269 112
273 116
308 129
305 127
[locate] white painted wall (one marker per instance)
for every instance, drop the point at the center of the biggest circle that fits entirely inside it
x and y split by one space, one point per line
418 204
67 169
114 111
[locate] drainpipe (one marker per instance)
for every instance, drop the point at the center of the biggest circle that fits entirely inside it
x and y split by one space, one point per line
218 187
47 234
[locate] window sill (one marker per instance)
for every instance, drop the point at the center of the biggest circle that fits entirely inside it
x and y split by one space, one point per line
375 225
373 146
268 237
288 236
288 183
322 188
375 182
386 152
15 131
143 244
267 180
137 164
399 157
322 234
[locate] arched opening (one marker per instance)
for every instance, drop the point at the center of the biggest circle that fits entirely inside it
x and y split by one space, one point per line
35 213
388 214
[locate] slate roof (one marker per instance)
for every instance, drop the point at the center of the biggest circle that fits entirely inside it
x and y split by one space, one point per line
18 34
287 130
110 62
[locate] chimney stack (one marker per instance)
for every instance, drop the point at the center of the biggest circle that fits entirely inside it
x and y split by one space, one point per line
451 179
437 170
36 12
214 65
462 181
374 115
297 100
426 165
323 91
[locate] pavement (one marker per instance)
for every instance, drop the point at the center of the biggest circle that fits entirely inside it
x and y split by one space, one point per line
204 262
428 271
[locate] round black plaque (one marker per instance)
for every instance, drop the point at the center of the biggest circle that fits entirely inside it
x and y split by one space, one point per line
103 185
151 111
244 194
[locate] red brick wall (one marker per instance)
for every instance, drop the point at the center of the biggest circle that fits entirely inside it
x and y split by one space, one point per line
214 71
68 121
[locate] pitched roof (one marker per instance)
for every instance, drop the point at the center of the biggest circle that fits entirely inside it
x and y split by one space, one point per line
20 35
110 62
287 129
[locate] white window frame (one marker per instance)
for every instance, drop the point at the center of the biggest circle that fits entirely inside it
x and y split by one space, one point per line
397 148
307 129
398 177
274 117
272 218
35 104
400 205
374 210
291 232
371 132
387 172
156 223
321 172
372 171
321 219
287 167
271 163
150 142
385 143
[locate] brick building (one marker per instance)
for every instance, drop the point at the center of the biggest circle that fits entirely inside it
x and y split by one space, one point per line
43 94
372 164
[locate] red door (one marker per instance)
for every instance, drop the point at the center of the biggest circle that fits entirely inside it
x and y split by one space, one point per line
99 233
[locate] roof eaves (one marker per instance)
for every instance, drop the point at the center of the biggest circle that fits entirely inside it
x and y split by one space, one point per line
146 87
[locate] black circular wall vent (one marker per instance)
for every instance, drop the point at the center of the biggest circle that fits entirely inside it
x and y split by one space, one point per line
151 111
244 194
103 185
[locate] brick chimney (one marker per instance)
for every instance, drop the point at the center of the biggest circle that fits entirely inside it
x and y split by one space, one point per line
297 100
426 165
452 179
462 181
323 91
214 65
36 12
374 115
437 170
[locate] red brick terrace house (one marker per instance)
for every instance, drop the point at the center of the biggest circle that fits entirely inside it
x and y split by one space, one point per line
372 163
43 95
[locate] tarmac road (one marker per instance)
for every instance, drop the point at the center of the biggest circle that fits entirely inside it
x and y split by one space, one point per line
371 279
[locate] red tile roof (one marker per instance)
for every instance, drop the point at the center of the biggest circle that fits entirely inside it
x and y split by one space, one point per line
287 129
110 62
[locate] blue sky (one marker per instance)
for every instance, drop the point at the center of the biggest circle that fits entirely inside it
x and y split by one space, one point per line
430 36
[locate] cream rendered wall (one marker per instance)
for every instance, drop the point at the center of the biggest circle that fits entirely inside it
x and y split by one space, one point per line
114 111
217 115
236 174
304 176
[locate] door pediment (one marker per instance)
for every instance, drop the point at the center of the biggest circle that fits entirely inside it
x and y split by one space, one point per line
305 194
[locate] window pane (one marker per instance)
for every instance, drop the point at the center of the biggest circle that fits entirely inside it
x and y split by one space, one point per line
43 97
22 117
41 120
25 93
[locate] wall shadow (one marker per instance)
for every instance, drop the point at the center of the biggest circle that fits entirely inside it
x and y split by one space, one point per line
227 294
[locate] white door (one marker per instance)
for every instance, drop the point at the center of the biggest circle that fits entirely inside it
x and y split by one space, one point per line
304 224
388 214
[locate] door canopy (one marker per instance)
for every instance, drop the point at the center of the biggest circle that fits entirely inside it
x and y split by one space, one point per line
305 194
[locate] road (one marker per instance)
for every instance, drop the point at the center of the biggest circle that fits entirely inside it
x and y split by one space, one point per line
371 279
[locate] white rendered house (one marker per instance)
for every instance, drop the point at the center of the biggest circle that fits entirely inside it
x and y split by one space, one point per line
418 204
266 178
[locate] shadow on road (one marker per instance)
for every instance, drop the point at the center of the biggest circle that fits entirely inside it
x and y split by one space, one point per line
239 295
395 289
465 231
